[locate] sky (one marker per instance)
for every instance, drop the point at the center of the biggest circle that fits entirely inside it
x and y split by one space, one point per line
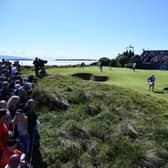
54 29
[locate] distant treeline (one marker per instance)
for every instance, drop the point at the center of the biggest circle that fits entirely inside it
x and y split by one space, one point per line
124 59
75 60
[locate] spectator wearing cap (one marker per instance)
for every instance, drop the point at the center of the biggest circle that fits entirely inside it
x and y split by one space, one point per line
20 91
3 104
12 104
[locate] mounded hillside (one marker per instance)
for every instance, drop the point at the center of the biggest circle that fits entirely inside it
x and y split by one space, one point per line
85 124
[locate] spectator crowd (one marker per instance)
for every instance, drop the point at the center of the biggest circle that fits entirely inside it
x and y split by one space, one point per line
18 120
154 57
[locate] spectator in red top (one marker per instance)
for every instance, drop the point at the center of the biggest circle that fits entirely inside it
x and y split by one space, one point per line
11 151
3 131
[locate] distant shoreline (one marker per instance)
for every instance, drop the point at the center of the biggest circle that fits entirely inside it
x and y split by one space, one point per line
58 63
75 60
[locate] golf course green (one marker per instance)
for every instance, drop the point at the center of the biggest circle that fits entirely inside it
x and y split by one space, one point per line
124 77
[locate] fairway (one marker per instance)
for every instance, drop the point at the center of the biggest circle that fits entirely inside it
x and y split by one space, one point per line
123 77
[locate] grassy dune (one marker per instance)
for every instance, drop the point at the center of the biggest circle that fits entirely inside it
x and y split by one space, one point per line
85 124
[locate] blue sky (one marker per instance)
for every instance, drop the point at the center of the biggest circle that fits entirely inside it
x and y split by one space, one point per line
81 28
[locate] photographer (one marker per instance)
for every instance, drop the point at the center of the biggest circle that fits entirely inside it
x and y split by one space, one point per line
36 66
39 67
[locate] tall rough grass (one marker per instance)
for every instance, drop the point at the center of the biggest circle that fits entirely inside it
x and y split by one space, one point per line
102 126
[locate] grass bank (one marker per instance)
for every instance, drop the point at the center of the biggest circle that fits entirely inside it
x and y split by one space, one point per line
93 125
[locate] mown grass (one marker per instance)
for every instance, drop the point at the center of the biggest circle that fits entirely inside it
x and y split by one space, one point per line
123 77
104 126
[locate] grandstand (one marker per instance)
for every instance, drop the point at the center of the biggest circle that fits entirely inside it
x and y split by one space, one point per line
154 59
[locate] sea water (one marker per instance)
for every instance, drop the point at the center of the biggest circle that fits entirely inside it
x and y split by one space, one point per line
57 63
